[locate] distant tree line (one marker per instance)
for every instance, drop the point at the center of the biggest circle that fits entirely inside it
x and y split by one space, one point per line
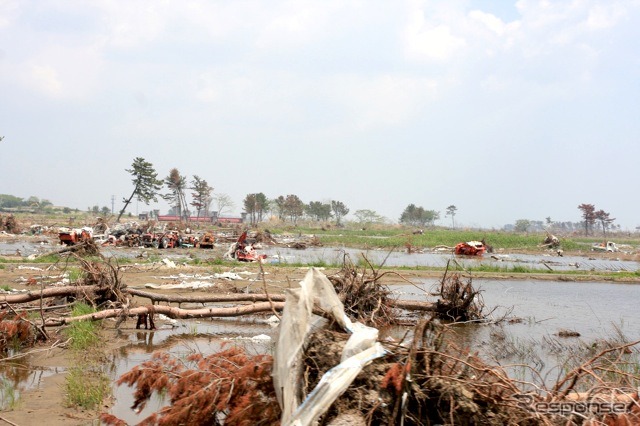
590 218
419 216
290 208
147 187
32 203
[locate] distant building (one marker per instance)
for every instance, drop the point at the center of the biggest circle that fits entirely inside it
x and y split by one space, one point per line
201 219
230 220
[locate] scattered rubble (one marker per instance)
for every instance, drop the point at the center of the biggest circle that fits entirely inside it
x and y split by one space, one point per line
551 241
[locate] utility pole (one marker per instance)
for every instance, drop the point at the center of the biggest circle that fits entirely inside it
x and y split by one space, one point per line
113 201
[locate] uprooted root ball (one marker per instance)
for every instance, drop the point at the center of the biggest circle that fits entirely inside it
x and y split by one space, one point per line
363 296
459 300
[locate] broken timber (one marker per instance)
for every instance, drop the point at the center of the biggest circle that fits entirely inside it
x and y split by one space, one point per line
259 303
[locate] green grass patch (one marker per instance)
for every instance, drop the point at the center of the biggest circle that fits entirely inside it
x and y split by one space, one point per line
6 287
83 334
86 387
394 236
75 274
86 383
217 261
8 394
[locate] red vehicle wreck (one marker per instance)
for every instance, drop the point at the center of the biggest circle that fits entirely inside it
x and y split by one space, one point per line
70 237
470 248
244 252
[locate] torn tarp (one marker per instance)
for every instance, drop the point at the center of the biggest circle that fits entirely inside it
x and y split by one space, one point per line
296 324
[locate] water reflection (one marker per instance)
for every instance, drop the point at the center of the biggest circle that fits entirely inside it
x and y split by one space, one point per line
205 337
19 376
529 344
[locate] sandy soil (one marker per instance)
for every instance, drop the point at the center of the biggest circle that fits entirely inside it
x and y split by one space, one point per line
45 404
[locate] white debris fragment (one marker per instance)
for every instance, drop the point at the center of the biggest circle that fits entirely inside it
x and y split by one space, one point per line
258 338
182 285
169 263
30 268
172 321
261 337
272 320
228 276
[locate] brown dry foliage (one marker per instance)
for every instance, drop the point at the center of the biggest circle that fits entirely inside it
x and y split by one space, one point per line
15 332
9 225
229 387
630 418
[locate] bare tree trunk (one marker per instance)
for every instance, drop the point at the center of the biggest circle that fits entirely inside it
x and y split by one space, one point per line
126 204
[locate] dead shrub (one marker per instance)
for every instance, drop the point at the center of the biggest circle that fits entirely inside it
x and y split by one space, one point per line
15 333
230 388
364 298
459 301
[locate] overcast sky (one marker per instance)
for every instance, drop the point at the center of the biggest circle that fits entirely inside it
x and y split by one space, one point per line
507 110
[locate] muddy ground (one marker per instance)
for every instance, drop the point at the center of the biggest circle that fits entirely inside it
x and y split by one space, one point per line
45 403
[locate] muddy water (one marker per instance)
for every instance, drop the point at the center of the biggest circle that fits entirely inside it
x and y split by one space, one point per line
180 340
598 311
333 256
19 376
594 309
401 258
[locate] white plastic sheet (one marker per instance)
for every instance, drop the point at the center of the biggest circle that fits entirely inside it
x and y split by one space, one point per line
295 326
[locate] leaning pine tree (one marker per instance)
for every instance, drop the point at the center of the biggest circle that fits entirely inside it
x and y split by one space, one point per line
145 181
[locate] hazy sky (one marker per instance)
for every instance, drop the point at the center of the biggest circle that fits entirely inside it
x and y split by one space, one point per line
508 110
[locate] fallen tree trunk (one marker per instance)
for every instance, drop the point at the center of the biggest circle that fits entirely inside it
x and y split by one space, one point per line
171 312
31 296
412 305
47 293
234 297
174 312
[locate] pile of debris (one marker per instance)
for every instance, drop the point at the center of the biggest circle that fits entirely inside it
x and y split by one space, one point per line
329 365
363 296
244 251
551 241
9 225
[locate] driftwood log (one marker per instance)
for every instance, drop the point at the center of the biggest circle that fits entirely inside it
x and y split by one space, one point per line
259 303
412 305
170 311
50 292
